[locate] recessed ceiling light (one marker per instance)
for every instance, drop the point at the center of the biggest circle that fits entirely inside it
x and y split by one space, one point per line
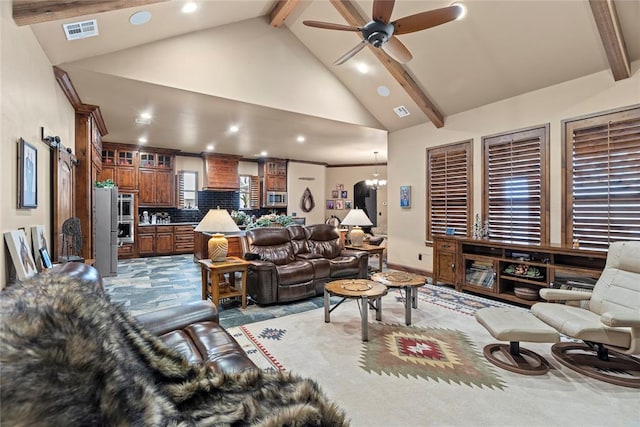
234 129
189 7
142 140
145 115
263 153
362 67
464 10
383 91
210 147
300 138
140 18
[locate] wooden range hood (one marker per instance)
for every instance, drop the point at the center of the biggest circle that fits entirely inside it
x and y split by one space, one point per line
221 172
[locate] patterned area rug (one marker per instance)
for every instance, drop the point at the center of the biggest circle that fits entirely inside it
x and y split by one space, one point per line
428 353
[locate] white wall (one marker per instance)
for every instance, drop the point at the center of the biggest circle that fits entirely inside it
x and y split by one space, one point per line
299 177
407 150
31 98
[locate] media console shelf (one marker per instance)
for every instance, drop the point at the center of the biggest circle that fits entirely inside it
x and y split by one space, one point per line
502 270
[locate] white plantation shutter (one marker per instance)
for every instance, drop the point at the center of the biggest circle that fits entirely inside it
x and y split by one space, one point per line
603 179
516 188
449 175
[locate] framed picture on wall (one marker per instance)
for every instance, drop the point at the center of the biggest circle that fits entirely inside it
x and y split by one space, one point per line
27 175
334 194
339 204
405 196
343 194
347 204
330 204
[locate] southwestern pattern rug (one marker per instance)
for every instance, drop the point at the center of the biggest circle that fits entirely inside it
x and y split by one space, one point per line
429 373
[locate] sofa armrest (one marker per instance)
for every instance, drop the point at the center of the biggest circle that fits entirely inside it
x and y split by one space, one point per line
160 322
353 252
564 295
261 265
630 320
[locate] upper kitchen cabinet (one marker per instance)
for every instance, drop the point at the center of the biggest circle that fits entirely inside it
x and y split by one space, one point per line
274 175
156 183
221 172
119 163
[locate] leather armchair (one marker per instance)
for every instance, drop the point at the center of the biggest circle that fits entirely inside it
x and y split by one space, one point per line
608 322
279 276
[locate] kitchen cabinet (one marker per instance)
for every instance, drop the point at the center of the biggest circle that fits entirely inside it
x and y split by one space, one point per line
119 165
221 172
274 175
156 182
155 240
183 239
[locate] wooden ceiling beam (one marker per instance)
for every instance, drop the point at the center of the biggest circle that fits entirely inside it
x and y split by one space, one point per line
353 17
281 11
28 12
606 17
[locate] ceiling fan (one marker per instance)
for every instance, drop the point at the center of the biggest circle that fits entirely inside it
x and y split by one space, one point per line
381 33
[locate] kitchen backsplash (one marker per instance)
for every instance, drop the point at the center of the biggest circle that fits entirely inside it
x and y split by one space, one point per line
207 200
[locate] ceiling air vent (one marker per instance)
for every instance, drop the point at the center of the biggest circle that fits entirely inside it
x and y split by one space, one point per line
81 30
401 111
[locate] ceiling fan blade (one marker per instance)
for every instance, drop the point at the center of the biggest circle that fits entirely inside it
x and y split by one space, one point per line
397 50
424 20
344 58
382 10
330 26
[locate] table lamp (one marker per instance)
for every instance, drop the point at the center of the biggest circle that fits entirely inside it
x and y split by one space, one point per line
217 221
356 218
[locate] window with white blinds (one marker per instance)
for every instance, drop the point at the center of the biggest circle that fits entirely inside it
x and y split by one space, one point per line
449 184
602 155
516 189
187 190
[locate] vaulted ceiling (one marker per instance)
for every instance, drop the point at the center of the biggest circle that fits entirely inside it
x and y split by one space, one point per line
253 64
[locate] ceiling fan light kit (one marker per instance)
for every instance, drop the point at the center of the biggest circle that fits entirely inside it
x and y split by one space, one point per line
380 33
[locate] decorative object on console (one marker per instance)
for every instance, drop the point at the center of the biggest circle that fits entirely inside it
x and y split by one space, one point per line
375 182
356 218
71 240
307 203
217 221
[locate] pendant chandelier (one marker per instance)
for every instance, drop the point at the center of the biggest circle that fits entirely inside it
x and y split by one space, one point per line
375 182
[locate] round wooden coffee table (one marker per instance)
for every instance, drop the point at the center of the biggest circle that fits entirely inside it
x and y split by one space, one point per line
406 281
367 291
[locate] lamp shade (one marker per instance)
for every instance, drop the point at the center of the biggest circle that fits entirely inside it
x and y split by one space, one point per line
356 217
217 221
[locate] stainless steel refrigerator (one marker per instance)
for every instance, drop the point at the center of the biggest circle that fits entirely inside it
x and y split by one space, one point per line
106 232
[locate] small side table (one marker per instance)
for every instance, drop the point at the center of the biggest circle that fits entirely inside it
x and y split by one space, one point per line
408 281
211 272
370 250
360 289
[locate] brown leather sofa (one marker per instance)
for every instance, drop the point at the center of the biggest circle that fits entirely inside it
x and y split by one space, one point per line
192 329
297 261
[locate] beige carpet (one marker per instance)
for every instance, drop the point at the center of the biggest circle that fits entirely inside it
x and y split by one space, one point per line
445 390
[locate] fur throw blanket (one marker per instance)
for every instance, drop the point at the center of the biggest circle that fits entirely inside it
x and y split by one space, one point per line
70 357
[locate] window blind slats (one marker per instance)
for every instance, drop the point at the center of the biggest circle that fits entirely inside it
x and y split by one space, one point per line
514 186
603 179
449 188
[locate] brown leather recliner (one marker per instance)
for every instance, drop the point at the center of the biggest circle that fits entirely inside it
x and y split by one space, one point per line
297 261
